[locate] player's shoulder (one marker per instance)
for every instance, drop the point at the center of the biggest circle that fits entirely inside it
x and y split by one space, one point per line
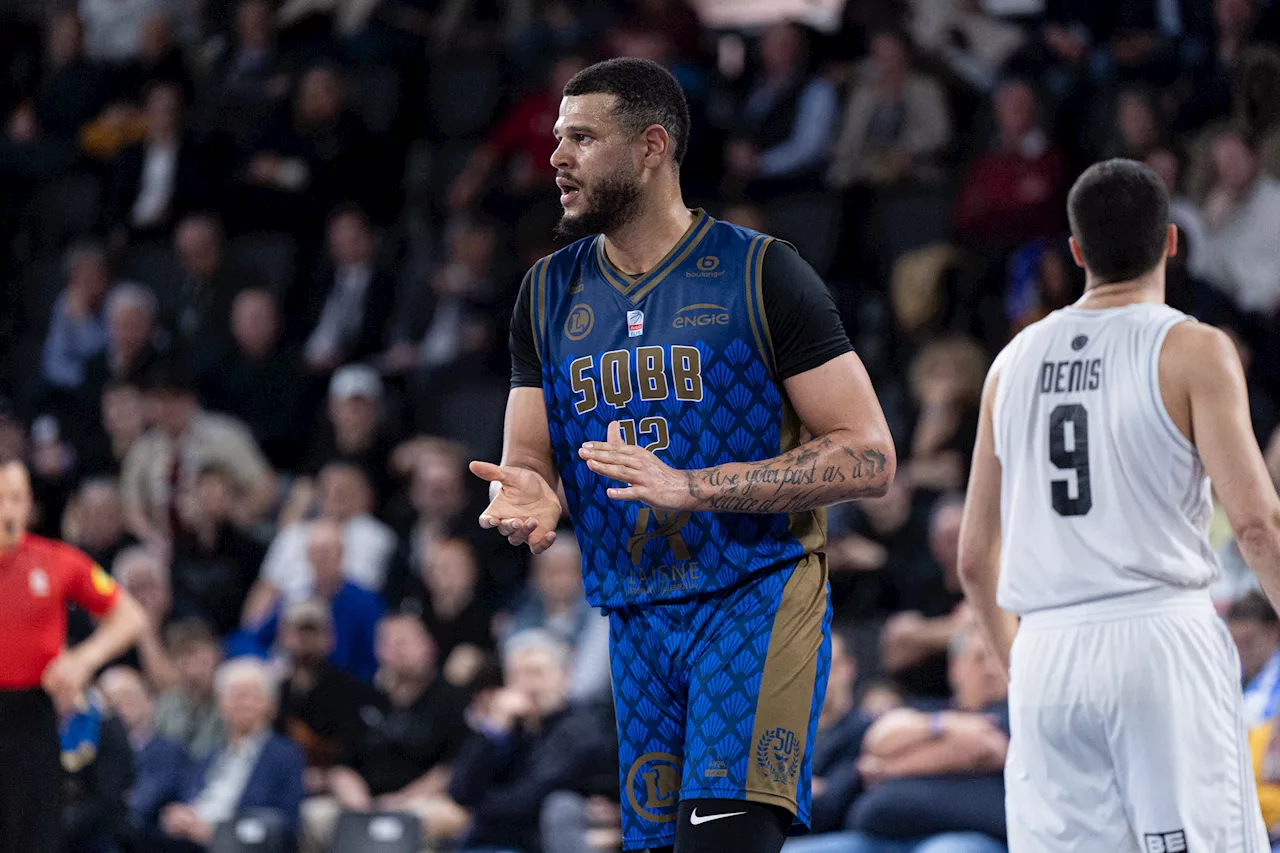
1192 348
566 256
53 550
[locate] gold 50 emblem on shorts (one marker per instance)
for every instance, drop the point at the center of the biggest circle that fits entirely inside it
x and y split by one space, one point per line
653 786
778 755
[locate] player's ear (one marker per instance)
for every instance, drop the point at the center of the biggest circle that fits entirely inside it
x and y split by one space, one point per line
1171 241
657 144
1076 254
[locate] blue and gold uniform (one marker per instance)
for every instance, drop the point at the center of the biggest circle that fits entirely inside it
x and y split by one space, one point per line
719 621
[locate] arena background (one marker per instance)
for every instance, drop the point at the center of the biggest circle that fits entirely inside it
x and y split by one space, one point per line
311 217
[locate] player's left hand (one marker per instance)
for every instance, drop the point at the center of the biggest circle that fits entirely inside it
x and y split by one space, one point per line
650 480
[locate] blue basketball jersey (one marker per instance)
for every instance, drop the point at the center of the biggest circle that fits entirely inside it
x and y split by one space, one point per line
682 358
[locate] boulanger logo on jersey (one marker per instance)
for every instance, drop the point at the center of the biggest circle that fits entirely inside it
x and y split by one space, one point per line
708 267
653 786
702 314
579 322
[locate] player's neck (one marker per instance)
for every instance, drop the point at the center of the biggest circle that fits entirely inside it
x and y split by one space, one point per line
639 245
1145 288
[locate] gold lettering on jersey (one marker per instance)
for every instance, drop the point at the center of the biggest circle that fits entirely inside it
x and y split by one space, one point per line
579 322
618 380
686 368
615 376
582 384
703 314
651 363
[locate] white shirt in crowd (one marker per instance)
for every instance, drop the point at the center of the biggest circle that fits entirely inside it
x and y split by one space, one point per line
367 548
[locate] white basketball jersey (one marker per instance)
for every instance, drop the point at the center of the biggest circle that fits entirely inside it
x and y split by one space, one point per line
1101 496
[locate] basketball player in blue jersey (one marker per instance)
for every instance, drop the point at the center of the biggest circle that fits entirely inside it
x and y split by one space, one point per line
690 386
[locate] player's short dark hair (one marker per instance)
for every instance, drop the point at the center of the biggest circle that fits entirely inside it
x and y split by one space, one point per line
1253 607
647 94
1119 212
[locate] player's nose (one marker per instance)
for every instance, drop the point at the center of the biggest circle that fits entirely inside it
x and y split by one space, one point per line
559 158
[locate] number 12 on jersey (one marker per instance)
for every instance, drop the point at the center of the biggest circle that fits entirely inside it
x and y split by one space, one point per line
1075 417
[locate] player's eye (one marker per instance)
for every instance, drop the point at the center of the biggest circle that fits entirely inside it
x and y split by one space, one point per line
580 137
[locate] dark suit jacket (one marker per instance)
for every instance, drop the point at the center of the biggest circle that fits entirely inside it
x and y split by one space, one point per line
834 754
379 299
159 770
190 189
275 783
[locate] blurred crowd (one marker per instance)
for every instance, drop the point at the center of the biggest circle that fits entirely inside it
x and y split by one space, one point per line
259 258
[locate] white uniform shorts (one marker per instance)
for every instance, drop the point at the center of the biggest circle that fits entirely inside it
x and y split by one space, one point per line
1127 733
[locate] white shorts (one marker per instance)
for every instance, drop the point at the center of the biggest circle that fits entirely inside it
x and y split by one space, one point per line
1127 734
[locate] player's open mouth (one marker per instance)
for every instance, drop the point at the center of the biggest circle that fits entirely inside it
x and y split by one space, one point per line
568 190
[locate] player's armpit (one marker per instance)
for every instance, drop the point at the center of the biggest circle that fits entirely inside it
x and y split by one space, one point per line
851 455
979 560
1203 361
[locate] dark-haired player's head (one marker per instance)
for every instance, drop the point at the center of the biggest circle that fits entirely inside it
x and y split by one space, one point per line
623 130
1119 212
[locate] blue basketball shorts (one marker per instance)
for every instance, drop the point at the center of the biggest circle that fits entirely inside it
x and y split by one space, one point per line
718 697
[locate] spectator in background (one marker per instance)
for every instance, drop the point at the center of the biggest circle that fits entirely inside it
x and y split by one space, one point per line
73 90
98 771
113 28
786 124
198 308
437 495
557 603
841 728
215 563
1138 127
946 387
256 769
159 60
320 704
164 463
896 122
401 753
438 584
1255 628
354 431
367 545
522 144
130 352
529 742
105 444
160 764
935 781
915 639
161 179
1014 192
258 381
99 521
355 611
306 161
1242 218
1207 91
145 575
77 329
248 77
1183 212
187 713
346 312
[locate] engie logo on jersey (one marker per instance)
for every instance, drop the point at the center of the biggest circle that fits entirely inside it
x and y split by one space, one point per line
635 324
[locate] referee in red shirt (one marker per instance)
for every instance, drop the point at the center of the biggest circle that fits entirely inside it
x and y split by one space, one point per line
38 677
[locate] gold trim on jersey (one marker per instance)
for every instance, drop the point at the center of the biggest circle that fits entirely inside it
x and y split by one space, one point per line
638 287
538 306
755 307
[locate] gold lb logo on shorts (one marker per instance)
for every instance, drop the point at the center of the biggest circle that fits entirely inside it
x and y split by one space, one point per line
653 786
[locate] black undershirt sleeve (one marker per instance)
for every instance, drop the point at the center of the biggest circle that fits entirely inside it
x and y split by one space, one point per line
526 366
804 323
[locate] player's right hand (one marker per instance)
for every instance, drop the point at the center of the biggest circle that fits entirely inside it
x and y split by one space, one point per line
524 507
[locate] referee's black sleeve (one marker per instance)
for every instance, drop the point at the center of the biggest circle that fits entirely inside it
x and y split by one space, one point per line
804 323
526 366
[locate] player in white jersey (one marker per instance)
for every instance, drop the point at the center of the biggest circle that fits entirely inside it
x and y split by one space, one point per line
1086 520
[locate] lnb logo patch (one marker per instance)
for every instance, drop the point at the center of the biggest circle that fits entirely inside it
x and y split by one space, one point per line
1165 842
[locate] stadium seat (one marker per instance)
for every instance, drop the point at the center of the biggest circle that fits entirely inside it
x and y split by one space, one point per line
252 831
462 98
810 221
377 832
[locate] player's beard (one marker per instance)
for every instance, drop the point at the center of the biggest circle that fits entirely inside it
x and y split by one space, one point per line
611 203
